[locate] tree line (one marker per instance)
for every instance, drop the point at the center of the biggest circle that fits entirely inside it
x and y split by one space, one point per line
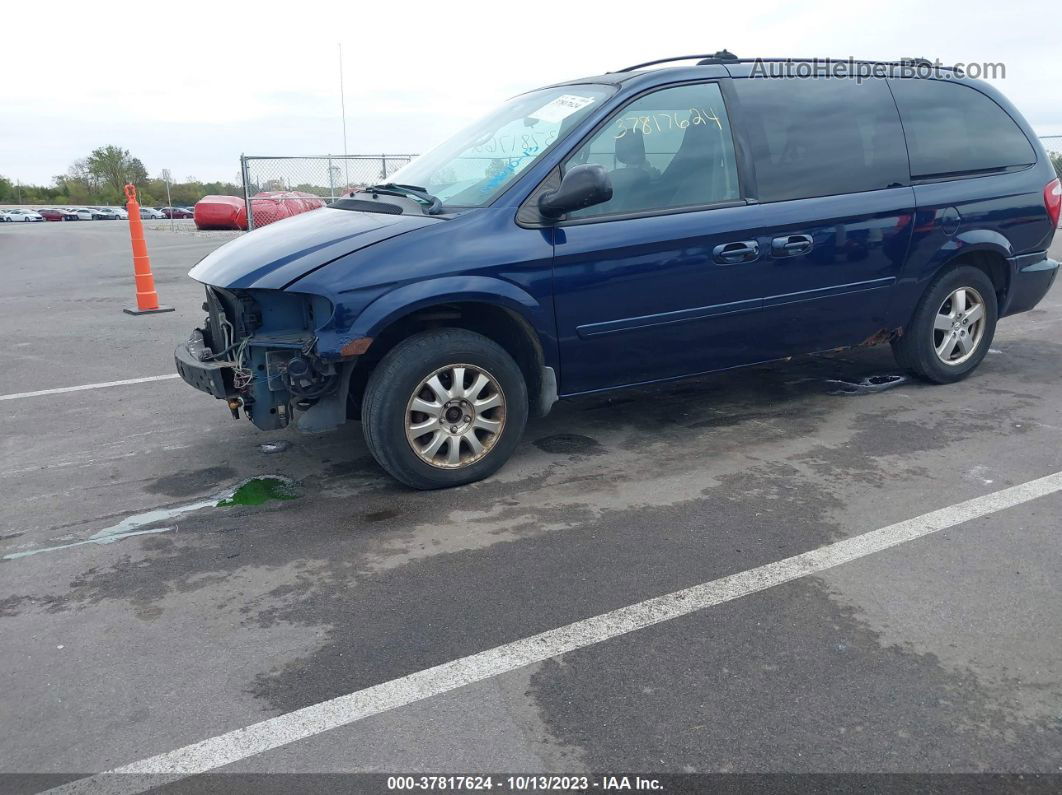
100 180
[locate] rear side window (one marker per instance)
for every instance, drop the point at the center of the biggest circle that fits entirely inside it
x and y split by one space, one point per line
955 129
821 136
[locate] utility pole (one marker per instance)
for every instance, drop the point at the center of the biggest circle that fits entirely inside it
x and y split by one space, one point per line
166 176
343 108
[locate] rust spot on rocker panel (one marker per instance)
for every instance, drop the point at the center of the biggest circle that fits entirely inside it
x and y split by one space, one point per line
879 337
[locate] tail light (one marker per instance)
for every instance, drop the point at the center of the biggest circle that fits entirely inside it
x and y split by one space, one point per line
1053 200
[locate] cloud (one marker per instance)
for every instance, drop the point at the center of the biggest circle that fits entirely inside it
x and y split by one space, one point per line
190 86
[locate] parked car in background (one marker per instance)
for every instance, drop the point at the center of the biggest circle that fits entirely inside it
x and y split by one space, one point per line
90 214
176 212
105 213
120 213
637 227
57 214
21 215
150 213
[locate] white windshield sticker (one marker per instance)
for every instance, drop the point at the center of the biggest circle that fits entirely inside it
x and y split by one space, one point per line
561 108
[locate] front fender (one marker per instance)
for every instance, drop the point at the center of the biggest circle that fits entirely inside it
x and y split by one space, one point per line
397 303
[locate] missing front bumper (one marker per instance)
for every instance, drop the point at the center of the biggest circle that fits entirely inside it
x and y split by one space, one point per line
214 378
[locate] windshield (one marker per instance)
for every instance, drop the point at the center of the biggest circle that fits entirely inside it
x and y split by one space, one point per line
475 165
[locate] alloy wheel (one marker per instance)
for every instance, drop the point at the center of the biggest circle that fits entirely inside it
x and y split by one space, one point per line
959 326
455 416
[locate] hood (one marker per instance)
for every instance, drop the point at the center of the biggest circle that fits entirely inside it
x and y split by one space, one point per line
276 255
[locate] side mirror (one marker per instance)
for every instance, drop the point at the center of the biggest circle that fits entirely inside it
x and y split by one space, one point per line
582 186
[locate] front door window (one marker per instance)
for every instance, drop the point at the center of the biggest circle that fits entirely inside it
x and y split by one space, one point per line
666 150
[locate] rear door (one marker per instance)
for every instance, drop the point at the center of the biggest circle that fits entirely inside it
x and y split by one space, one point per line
835 207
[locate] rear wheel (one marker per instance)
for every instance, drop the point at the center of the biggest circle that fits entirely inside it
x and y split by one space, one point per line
952 327
444 408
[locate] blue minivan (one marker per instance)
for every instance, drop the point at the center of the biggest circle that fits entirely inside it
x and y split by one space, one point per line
639 226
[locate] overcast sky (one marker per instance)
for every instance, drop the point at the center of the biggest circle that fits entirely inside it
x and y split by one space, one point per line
263 78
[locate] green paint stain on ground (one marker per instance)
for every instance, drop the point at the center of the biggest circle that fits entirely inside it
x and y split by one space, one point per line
260 490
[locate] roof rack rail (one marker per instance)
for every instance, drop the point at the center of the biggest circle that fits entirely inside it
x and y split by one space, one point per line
721 56
715 57
725 56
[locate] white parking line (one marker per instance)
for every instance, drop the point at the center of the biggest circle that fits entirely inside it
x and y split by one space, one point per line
233 746
82 387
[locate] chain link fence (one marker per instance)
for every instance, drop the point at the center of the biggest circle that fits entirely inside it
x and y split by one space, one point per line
324 178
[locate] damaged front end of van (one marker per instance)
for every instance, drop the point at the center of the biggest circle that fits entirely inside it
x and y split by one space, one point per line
257 350
277 355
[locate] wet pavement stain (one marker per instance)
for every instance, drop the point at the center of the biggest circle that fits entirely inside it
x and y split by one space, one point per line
197 481
725 420
359 466
744 708
597 404
425 614
248 493
260 490
879 449
11 606
135 525
569 444
380 516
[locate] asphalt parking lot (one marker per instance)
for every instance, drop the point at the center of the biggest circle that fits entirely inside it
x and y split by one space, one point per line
940 654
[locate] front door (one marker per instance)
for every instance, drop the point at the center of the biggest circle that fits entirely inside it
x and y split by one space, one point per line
656 282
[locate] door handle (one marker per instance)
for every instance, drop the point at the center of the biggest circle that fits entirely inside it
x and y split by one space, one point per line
791 245
733 253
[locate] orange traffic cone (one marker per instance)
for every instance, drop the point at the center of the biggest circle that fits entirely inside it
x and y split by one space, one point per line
147 300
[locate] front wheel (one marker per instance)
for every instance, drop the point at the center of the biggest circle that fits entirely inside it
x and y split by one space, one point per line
952 327
444 408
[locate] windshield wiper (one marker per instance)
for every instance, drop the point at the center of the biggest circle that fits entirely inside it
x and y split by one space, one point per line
435 205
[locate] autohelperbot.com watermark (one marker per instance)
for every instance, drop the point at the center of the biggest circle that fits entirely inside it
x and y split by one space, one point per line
861 70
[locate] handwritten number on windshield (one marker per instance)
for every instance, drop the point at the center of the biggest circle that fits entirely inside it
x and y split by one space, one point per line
513 142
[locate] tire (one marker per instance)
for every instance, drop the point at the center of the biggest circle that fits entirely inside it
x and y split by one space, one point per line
938 323
400 383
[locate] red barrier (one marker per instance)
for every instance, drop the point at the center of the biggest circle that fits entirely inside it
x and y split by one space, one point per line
147 300
230 212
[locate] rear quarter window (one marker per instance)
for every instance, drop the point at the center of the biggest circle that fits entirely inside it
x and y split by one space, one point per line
954 129
821 136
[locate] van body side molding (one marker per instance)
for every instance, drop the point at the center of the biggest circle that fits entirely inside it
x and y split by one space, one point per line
734 307
827 292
